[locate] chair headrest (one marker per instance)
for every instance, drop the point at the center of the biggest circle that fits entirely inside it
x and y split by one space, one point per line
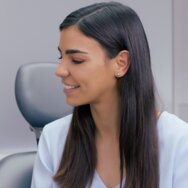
39 94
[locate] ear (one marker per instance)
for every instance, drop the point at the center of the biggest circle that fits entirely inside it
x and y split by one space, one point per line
121 63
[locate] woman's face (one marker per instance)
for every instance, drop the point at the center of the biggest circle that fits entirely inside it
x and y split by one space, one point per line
87 73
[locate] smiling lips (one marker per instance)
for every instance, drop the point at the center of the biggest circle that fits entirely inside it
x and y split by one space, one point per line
70 88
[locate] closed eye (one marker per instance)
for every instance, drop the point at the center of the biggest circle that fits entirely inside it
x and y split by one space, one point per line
75 61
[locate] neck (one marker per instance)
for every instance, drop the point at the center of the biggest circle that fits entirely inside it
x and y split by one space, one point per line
106 116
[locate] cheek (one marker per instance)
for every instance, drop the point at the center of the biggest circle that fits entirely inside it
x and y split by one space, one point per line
100 82
93 75
85 75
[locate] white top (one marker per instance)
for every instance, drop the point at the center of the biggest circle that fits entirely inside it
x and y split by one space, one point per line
173 145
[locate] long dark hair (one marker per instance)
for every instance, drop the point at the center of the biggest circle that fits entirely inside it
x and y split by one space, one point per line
116 27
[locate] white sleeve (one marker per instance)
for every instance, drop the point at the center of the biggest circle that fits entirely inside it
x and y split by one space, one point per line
181 163
42 172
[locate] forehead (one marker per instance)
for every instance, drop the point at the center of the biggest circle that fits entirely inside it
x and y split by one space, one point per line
73 38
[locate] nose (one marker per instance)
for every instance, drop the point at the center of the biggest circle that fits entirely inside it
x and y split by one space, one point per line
62 70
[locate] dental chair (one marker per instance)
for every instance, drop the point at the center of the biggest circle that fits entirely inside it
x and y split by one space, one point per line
40 99
16 170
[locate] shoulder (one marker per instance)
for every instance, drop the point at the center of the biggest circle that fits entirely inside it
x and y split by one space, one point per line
56 131
49 152
58 127
172 131
53 139
173 146
171 127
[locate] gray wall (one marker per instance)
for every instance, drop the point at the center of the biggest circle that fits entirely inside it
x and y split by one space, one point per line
29 33
181 58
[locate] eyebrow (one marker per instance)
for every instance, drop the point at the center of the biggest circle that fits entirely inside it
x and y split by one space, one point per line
72 51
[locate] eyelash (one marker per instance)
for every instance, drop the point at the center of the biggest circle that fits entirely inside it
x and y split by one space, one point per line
77 61
74 60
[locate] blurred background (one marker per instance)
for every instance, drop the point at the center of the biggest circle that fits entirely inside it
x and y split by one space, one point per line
29 33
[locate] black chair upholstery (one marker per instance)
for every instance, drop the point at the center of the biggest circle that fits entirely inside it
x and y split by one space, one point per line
16 170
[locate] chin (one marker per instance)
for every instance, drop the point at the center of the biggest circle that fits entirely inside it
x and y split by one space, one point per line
75 103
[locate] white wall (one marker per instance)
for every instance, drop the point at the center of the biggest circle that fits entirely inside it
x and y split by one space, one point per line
29 32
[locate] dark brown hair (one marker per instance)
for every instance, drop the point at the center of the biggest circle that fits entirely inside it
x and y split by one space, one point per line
116 27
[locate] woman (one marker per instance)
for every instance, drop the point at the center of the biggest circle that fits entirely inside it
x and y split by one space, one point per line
115 138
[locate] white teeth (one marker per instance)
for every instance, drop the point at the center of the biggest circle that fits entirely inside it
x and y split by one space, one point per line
70 87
